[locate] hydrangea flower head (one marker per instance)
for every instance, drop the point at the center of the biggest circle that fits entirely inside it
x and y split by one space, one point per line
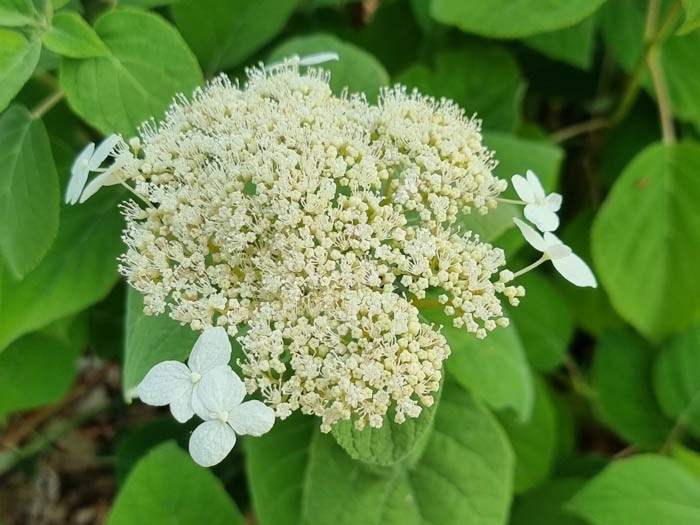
313 227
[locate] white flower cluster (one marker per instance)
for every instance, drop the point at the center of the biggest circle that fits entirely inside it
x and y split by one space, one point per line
208 387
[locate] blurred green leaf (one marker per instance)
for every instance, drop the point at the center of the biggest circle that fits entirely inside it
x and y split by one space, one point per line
146 4
462 75
223 33
534 441
645 240
643 490
690 459
493 369
463 477
544 505
106 324
573 45
16 13
357 70
79 269
39 368
692 16
167 487
150 339
29 196
70 35
544 321
148 63
391 443
276 464
677 379
622 373
18 58
512 18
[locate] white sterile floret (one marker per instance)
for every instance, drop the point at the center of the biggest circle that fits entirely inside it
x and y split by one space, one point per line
90 159
566 262
221 393
175 384
540 209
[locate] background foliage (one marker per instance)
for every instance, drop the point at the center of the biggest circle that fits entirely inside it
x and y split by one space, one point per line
585 410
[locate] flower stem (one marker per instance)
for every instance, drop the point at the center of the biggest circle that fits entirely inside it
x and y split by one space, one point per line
511 201
46 104
531 266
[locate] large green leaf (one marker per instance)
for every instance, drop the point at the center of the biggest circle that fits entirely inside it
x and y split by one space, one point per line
494 369
148 63
544 505
79 269
223 33
645 242
391 443
644 490
462 477
38 368
18 58
149 340
534 441
692 16
677 379
462 75
544 321
166 487
71 36
622 372
573 45
357 69
16 12
29 198
511 18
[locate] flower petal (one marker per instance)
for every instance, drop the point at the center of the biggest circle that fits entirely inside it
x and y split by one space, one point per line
522 188
531 236
545 219
211 442
164 382
103 151
220 390
181 405
108 178
253 418
553 202
575 270
79 174
535 185
212 348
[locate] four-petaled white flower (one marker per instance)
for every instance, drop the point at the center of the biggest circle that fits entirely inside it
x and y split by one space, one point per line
90 159
174 383
566 262
220 394
540 209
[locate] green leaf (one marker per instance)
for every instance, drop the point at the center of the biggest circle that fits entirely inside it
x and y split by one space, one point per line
148 63
462 77
167 487
463 477
645 240
644 490
690 459
276 465
494 369
692 16
39 368
79 269
622 372
150 339
511 18
71 36
534 441
677 379
544 321
18 58
16 13
391 443
223 33
514 155
544 505
573 45
29 198
146 4
357 70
